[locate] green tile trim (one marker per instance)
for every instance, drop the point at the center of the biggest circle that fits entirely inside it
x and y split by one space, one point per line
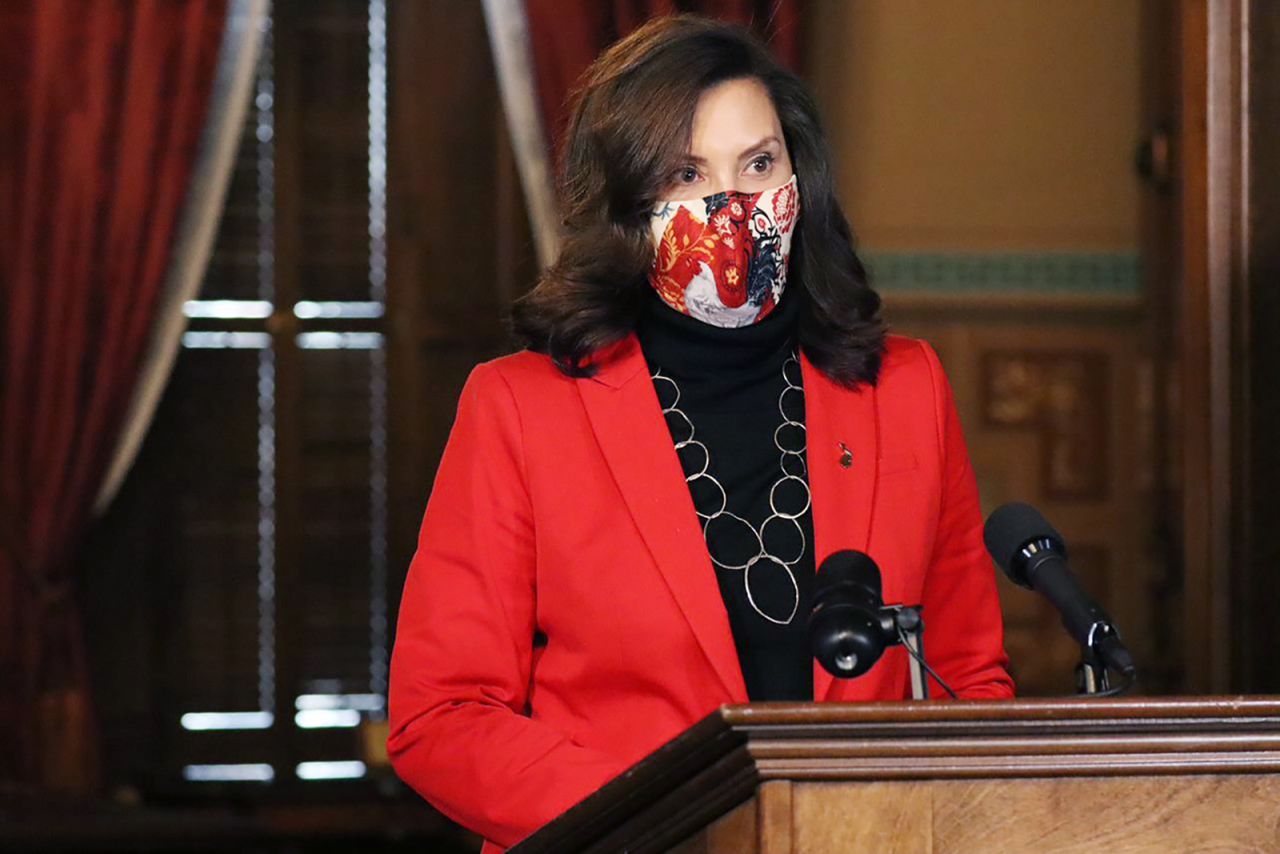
1103 274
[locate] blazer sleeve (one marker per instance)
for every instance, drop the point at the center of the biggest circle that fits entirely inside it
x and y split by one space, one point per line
462 663
964 630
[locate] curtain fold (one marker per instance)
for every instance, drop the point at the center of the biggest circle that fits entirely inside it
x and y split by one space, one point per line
197 227
101 113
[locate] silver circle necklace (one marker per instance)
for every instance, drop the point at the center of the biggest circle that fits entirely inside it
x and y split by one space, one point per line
789 497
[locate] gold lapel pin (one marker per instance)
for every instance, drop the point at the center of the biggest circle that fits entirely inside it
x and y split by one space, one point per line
846 455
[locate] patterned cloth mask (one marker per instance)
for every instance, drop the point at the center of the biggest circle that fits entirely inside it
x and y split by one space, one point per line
723 259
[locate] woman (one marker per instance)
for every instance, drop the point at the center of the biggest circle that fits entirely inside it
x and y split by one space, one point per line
625 525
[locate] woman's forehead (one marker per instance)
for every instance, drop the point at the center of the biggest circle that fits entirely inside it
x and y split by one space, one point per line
732 119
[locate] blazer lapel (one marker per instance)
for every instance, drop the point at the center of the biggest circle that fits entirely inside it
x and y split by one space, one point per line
624 412
843 433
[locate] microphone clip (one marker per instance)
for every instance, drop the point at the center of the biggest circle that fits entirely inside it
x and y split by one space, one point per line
902 624
908 629
1102 652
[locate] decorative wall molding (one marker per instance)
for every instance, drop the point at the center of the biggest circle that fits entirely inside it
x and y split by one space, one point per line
1111 275
1063 397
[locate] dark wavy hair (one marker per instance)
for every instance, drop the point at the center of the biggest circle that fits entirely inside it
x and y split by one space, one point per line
630 129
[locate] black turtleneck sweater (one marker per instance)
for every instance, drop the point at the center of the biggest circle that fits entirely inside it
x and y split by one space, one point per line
730 383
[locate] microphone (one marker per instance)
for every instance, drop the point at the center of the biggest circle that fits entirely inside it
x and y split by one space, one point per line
1034 555
845 629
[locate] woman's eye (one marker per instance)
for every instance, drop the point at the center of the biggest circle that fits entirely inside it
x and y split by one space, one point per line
687 175
762 163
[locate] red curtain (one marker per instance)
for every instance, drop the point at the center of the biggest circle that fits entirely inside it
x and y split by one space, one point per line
101 108
566 35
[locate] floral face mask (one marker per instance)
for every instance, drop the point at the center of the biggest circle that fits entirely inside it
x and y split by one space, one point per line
723 259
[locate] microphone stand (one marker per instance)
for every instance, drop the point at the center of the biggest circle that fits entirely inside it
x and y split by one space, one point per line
1091 674
903 624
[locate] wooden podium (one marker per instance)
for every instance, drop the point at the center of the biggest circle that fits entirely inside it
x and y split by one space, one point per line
1150 775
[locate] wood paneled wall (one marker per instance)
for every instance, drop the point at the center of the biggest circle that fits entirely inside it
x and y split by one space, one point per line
1058 405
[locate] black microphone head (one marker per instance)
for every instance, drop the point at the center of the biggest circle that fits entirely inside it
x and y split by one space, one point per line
1010 529
847 568
845 634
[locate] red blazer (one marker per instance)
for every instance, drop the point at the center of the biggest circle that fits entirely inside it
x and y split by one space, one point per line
560 512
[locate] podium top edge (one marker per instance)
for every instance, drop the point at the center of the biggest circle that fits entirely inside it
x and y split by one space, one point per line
1068 708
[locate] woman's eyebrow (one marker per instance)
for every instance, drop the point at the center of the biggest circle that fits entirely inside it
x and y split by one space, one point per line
759 145
751 149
